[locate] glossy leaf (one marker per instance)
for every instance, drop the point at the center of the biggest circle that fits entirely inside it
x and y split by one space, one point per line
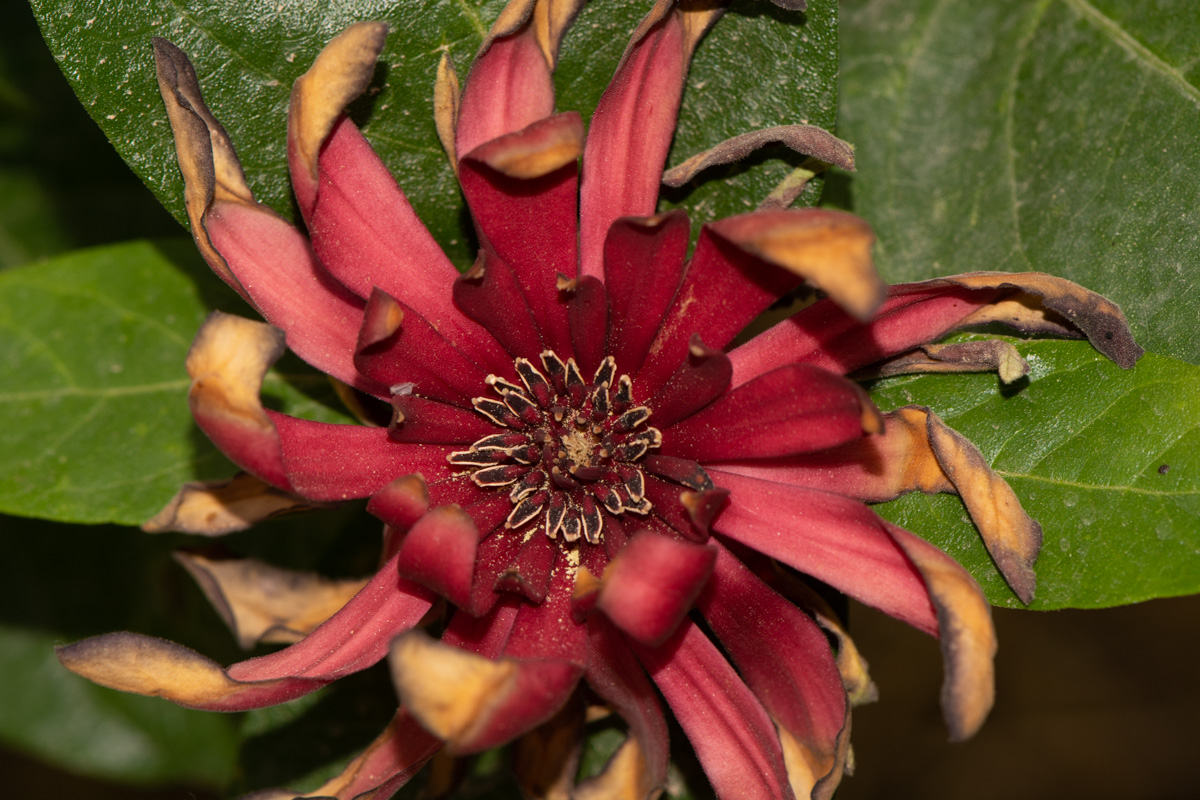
1108 460
248 59
94 422
1062 137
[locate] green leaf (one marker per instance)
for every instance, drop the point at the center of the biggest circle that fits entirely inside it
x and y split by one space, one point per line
1108 460
1054 136
247 63
94 423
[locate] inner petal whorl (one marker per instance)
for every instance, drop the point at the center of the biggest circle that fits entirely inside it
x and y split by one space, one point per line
569 449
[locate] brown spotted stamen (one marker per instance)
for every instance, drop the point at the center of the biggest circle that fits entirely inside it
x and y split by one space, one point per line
570 448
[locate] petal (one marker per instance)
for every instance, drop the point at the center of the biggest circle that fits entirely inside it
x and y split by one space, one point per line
630 132
416 419
793 409
989 355
832 538
439 553
965 628
615 675
472 702
808 140
491 295
732 735
643 268
510 84
587 314
402 502
290 288
795 678
522 190
545 631
362 226
216 508
703 377
546 759
651 585
829 249
918 451
329 462
227 362
388 763
263 603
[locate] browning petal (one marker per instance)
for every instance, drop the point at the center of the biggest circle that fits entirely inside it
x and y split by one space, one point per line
215 508
546 759
263 603
210 166
991 355
811 774
625 777
830 249
808 140
341 72
1042 303
447 101
965 631
537 150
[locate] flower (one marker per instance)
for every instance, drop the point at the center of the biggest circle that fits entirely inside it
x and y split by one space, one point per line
599 485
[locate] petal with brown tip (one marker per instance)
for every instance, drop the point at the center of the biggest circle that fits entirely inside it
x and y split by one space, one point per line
807 140
216 508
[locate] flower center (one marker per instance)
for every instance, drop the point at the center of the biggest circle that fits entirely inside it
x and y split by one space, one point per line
570 449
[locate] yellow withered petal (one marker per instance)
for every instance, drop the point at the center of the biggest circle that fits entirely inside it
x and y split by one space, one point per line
216 508
624 777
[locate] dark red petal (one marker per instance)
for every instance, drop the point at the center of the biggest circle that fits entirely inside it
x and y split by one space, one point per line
796 677
419 420
509 87
530 222
651 584
630 132
484 635
615 674
439 553
351 640
643 268
830 537
587 313
529 572
496 554
825 335
793 409
733 737
340 462
491 294
401 503
272 260
545 630
701 378
669 511
724 288
399 348
387 764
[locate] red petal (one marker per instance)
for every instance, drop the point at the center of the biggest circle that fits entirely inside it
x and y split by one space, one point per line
615 674
629 135
428 421
339 462
508 88
351 640
484 635
701 378
724 288
825 335
545 630
439 553
387 764
491 294
530 222
529 572
733 737
587 313
643 267
398 346
272 260
401 503
832 538
793 409
651 584
796 677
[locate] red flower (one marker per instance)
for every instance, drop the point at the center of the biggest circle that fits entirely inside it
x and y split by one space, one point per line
578 460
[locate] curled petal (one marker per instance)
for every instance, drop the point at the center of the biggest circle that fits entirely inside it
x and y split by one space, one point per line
216 508
546 759
630 132
965 628
472 702
491 294
226 363
829 249
990 355
210 166
447 104
702 378
733 736
263 603
807 140
652 583
387 764
439 553
402 502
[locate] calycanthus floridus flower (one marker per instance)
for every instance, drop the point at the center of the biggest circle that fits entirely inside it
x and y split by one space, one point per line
608 496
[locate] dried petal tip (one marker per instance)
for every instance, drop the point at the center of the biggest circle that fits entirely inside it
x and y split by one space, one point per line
220 507
807 140
341 73
829 249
